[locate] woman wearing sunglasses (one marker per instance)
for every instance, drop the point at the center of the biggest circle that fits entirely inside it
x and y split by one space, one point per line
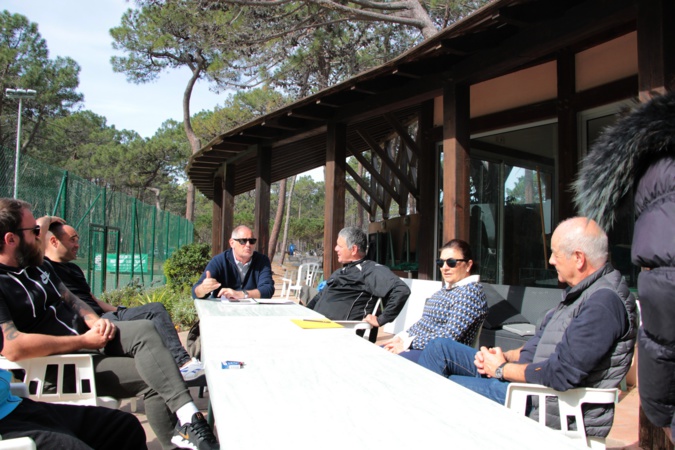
456 311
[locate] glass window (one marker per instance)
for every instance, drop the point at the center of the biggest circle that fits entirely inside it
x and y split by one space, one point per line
511 194
620 237
527 226
484 237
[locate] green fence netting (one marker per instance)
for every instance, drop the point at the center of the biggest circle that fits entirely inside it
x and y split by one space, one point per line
121 238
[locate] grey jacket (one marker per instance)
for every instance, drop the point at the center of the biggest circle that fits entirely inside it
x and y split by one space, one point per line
613 367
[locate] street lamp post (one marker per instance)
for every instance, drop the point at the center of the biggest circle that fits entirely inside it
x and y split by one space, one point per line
20 94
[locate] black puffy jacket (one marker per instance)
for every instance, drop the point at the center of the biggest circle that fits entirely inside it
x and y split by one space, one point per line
638 153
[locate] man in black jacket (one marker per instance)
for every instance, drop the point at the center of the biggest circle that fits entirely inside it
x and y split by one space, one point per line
61 246
352 291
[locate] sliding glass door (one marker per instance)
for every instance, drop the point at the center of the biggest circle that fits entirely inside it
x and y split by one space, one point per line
511 194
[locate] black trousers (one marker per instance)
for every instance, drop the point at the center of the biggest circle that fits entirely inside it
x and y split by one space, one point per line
72 427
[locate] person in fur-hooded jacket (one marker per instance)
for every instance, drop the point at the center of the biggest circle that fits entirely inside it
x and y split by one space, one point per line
638 153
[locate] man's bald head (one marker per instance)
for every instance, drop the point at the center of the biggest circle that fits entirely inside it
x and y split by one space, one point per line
578 248
581 233
63 242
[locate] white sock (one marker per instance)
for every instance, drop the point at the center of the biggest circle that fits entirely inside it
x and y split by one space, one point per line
186 412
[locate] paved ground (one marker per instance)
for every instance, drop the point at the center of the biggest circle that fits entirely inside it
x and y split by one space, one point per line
625 430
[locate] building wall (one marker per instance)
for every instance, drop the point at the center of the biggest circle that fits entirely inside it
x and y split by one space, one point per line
604 63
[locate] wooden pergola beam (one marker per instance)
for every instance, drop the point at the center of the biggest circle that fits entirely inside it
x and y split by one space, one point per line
386 160
376 175
356 196
361 182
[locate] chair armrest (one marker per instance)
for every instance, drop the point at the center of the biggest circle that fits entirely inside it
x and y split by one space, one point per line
569 403
22 443
354 324
572 396
19 389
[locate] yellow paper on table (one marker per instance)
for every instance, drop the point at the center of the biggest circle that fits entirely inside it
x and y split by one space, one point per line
311 324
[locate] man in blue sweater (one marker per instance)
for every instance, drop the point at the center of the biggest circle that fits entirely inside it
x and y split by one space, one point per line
237 273
586 341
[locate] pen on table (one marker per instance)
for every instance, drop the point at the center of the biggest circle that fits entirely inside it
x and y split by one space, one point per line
317 320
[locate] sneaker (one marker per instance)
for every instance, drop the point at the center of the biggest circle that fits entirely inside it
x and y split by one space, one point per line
192 370
196 435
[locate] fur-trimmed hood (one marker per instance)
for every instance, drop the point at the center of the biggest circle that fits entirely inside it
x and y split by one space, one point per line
620 155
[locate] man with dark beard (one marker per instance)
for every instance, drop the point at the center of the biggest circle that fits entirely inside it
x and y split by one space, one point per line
39 316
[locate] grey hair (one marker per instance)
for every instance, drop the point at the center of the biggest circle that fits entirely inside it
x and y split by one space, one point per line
235 232
355 236
590 240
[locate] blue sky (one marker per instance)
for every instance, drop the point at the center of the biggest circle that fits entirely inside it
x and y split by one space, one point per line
79 29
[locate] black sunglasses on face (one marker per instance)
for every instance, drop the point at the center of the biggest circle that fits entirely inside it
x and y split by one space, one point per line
35 230
451 262
243 241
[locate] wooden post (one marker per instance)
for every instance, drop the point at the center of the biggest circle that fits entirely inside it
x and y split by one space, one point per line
427 170
334 212
228 207
656 36
262 198
217 220
456 142
568 147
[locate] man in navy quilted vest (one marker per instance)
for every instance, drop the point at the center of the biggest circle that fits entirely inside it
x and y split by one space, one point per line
586 341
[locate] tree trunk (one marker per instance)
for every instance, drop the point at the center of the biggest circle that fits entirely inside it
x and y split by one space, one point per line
195 143
156 191
277 220
288 219
417 11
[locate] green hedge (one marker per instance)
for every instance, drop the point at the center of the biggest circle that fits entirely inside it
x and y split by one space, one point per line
186 265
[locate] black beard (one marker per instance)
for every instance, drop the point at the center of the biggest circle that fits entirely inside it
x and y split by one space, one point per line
29 255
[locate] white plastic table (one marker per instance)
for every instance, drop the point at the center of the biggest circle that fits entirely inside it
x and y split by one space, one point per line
330 389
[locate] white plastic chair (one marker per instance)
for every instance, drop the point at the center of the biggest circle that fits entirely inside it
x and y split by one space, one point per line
569 403
358 325
22 443
305 277
74 379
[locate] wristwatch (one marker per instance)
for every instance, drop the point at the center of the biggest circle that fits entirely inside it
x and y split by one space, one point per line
245 293
499 372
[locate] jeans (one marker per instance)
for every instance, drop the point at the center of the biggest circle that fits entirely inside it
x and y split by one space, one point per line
455 361
411 355
159 316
